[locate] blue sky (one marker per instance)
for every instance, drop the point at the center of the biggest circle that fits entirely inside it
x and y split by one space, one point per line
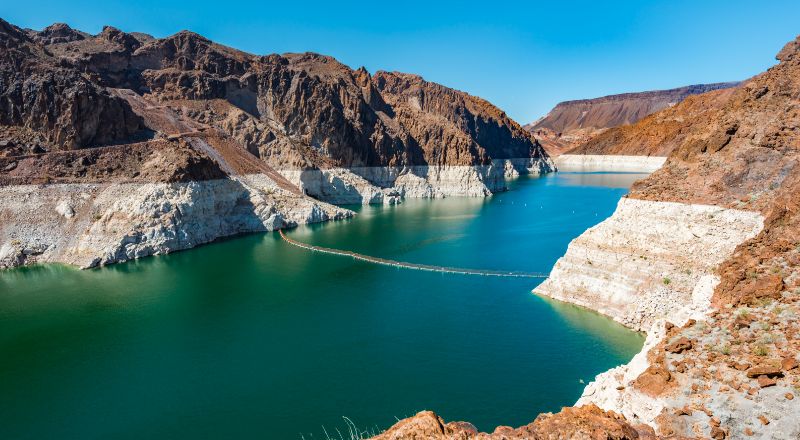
524 57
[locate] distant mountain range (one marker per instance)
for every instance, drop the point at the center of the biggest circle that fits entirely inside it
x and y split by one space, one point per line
570 123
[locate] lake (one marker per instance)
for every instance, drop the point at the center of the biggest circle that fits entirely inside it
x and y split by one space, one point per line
253 338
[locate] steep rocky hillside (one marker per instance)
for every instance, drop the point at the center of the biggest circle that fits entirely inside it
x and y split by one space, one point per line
109 142
659 133
704 255
275 105
571 123
300 114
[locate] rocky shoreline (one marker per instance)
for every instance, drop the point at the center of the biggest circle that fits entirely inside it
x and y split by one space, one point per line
389 185
91 224
611 163
649 260
649 264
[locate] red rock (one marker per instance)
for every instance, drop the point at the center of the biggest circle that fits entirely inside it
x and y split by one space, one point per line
763 419
718 433
765 370
741 366
655 380
679 346
764 381
789 396
789 363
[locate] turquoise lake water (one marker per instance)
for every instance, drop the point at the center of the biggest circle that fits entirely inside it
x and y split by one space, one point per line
254 338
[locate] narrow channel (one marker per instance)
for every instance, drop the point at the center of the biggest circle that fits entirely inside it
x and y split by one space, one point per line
253 337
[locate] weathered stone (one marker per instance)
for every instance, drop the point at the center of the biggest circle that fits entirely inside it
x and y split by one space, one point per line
765 381
679 346
765 370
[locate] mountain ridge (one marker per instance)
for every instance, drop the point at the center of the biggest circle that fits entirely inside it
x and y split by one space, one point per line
571 123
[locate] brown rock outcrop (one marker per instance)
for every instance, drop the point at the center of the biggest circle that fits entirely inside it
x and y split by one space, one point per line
679 346
296 111
63 107
765 370
587 422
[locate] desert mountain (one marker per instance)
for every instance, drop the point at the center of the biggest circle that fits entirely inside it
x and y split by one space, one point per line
67 90
570 123
225 141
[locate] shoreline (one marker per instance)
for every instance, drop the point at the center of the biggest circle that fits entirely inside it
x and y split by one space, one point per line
671 280
95 224
609 163
391 184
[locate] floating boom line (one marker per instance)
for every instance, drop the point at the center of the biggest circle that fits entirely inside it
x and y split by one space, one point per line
412 266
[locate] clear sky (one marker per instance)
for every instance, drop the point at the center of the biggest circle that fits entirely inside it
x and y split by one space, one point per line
524 57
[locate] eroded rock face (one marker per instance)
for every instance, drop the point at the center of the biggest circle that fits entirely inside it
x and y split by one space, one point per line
304 110
649 260
64 108
433 113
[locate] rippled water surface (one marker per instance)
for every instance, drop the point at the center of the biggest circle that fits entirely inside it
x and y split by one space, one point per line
253 338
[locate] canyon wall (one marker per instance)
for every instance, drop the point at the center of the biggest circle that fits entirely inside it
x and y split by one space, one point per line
121 145
649 260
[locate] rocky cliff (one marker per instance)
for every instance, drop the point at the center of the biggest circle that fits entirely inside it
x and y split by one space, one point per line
704 256
119 145
572 123
294 112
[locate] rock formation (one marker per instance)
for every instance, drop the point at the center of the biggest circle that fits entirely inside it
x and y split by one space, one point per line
572 123
587 422
119 145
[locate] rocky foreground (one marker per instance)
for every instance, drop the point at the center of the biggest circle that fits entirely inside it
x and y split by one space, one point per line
704 256
120 145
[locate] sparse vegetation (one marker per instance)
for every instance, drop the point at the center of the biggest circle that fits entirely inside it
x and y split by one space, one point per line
666 281
760 350
353 432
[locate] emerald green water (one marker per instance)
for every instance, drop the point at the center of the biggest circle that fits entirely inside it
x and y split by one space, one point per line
253 338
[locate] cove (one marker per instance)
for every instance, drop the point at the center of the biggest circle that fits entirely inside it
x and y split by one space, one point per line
254 338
